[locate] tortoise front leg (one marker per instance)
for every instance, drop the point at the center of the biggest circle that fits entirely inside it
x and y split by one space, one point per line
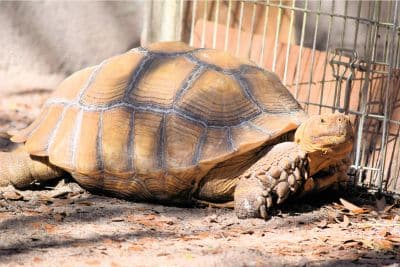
280 173
20 169
277 175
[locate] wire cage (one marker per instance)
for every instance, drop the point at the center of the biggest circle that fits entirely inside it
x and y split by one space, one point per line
334 56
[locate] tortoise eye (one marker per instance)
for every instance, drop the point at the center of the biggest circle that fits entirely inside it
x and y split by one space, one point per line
322 120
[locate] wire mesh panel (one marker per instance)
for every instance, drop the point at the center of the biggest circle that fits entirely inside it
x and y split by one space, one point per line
334 56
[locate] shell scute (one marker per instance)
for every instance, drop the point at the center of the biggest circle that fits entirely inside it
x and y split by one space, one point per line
69 89
269 92
88 158
22 135
181 141
61 150
247 131
216 144
116 142
111 79
147 145
218 99
161 81
277 124
41 137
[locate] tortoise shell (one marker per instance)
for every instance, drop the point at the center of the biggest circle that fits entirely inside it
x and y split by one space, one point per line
166 114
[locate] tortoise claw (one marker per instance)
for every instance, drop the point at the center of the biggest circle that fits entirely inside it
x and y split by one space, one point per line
263 211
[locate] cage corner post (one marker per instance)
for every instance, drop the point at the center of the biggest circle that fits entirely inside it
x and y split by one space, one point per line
162 21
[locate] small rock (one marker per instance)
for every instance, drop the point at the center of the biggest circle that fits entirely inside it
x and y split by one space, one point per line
213 218
248 232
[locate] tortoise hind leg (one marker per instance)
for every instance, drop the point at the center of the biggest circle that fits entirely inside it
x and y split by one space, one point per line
20 169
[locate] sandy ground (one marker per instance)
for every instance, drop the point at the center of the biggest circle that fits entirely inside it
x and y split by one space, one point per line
64 225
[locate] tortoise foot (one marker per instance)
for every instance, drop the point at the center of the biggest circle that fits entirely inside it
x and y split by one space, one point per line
276 176
251 199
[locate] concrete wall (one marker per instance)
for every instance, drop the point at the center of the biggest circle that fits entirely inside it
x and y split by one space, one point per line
42 42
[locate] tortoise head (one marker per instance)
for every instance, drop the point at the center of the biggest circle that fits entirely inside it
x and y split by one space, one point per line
327 139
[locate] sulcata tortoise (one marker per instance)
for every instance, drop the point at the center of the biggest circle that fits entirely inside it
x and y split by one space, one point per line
175 124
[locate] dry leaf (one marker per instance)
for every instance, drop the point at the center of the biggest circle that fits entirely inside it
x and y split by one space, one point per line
50 228
37 259
108 241
353 208
323 239
149 217
44 209
248 232
59 216
135 248
146 240
45 198
352 243
85 203
59 192
384 232
394 239
93 262
382 244
130 218
189 238
12 195
162 254
323 224
388 208
114 264
205 234
332 215
148 220
348 205
36 225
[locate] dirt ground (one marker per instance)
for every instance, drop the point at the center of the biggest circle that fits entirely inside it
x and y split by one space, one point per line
64 225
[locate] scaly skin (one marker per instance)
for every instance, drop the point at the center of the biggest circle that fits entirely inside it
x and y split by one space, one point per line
294 168
20 169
